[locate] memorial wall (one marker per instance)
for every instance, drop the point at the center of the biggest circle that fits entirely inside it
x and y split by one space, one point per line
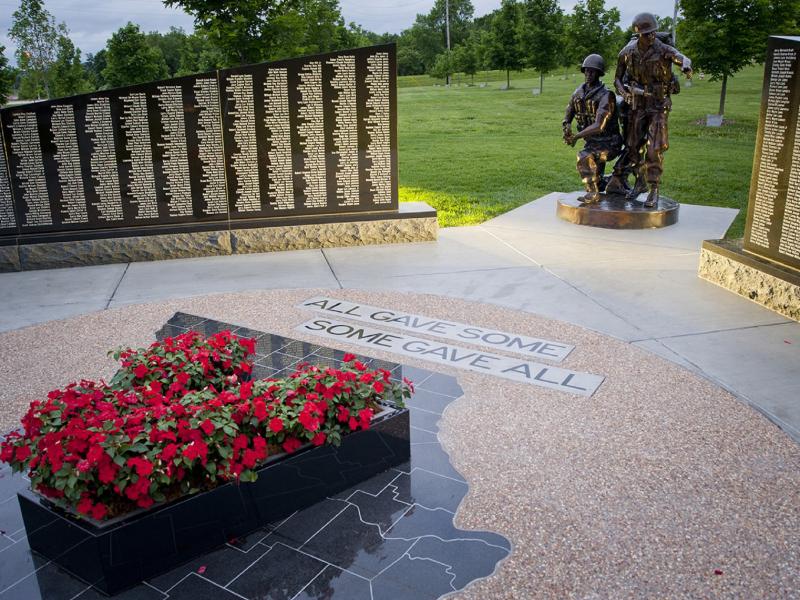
773 216
294 138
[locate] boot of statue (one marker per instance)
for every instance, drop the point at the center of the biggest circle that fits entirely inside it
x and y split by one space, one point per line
592 194
617 185
640 187
652 197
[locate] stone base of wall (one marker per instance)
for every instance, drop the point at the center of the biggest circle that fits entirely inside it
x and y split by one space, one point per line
765 282
414 222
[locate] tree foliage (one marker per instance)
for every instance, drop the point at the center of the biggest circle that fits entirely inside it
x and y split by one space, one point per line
170 44
542 35
6 77
130 59
594 30
724 36
67 73
36 34
94 65
504 43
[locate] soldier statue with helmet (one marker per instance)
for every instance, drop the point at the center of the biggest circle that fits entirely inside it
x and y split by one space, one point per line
594 108
645 80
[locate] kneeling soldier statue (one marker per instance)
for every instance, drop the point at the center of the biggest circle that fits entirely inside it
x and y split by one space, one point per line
594 108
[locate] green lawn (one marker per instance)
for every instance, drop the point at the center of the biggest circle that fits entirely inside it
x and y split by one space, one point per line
474 153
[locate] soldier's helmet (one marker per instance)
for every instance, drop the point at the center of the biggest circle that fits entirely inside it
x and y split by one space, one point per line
594 61
644 23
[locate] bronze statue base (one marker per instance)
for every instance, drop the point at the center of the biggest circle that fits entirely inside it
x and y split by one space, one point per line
615 212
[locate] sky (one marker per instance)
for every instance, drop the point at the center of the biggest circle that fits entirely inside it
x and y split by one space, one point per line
91 22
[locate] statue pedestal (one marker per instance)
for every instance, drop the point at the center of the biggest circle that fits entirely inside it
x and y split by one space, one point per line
615 212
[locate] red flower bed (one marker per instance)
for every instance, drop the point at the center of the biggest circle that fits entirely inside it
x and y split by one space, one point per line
177 419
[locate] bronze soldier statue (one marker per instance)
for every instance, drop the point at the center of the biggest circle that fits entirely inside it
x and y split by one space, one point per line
645 80
594 107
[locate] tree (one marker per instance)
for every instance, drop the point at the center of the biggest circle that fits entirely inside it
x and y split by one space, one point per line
170 44
542 35
67 74
199 54
6 77
242 28
724 36
409 60
310 27
504 45
595 30
36 34
442 67
94 65
465 57
129 59
460 12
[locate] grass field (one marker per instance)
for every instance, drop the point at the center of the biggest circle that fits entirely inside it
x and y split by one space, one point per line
476 152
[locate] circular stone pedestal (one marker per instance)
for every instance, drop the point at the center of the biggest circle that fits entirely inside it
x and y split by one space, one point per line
615 212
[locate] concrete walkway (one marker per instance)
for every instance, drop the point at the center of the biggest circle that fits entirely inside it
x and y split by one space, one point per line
638 286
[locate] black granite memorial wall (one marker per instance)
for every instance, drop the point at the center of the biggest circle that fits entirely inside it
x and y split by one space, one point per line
773 215
302 137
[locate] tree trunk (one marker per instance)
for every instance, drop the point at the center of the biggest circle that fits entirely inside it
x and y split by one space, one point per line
541 82
722 93
508 79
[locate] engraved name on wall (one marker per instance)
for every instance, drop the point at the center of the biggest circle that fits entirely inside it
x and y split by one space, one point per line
103 161
8 221
30 178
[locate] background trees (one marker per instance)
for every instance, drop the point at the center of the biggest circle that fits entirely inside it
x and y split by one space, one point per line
6 77
36 34
723 36
130 59
594 30
542 36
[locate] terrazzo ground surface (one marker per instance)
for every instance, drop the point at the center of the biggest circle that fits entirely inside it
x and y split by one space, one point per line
659 485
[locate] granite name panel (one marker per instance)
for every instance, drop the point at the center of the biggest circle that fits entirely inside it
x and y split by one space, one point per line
773 214
146 155
301 137
312 135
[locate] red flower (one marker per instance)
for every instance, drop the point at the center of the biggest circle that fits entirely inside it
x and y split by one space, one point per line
291 444
276 424
99 511
364 415
207 426
168 453
140 371
84 466
197 449
240 442
107 472
378 387
23 452
85 505
260 410
142 466
308 421
249 458
348 357
319 439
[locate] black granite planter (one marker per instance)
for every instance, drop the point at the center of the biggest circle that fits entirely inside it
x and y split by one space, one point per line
115 556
